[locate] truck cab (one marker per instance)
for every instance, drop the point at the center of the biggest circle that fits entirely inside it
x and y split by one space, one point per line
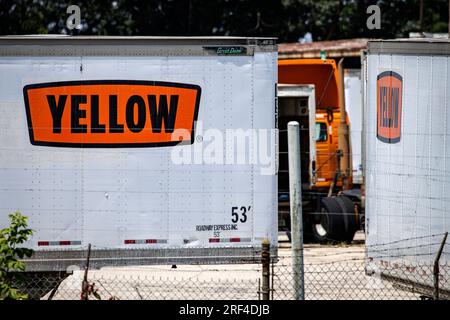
309 92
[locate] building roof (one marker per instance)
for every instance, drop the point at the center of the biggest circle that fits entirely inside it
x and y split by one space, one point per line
333 49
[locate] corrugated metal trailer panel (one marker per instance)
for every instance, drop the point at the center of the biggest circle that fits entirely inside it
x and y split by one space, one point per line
407 136
138 205
352 81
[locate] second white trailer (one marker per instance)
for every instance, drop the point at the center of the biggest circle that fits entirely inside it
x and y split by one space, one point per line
407 136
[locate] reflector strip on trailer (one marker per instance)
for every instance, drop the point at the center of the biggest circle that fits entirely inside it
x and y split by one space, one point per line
59 243
216 240
145 241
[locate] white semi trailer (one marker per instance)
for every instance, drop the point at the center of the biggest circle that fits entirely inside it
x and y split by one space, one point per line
353 106
152 150
407 159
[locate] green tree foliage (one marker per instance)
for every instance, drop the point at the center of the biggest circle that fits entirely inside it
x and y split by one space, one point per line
10 253
287 19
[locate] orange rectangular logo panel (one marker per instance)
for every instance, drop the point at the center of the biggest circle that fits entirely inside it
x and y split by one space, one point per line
111 113
389 106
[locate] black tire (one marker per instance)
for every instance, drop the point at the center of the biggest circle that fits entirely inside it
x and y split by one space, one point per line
350 219
329 225
336 221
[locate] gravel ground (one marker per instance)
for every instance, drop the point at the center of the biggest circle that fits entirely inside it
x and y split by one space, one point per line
331 272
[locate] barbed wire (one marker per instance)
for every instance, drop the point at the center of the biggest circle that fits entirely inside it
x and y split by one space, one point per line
373 251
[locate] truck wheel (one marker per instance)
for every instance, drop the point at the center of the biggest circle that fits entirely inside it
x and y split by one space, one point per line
351 222
329 225
336 221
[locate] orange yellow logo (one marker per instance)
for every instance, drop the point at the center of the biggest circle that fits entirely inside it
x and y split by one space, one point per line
389 106
111 113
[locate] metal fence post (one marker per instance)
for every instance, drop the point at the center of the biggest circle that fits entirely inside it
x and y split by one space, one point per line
265 258
295 195
436 268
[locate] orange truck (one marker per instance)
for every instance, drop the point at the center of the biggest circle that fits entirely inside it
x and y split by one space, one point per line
311 92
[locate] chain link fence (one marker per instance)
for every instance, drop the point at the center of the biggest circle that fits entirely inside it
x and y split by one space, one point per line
186 282
331 272
358 280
